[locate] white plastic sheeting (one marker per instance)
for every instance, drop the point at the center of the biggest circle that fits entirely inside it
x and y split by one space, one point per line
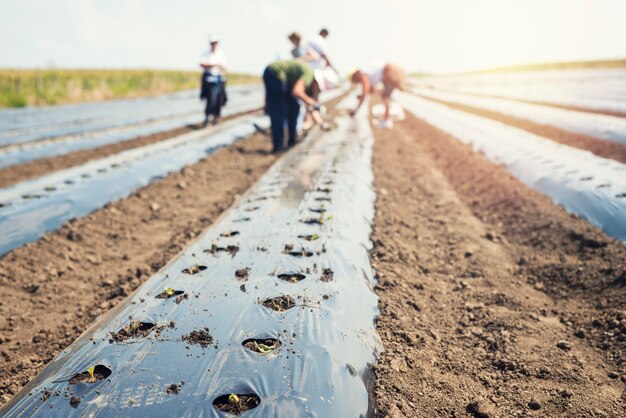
583 183
611 128
599 89
328 339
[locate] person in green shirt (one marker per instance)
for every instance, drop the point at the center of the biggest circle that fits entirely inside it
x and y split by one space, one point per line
285 83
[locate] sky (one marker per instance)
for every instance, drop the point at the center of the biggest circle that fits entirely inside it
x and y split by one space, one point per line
420 35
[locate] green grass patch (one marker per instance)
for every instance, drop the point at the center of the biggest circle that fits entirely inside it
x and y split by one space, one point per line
20 88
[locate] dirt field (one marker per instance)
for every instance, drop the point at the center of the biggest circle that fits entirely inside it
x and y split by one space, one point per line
494 301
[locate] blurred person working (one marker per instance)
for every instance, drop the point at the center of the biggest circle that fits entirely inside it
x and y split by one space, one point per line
213 85
389 75
285 83
319 45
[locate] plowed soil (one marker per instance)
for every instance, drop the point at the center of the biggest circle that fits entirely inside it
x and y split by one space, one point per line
494 301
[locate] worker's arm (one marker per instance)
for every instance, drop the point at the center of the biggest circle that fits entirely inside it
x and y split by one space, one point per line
299 91
365 87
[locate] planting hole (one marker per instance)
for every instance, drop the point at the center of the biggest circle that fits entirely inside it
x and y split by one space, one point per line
32 196
603 185
263 346
280 303
251 209
291 277
195 269
322 199
201 337
231 249
136 329
50 188
229 234
237 403
586 178
168 292
314 221
317 210
323 190
244 219
620 195
312 237
94 375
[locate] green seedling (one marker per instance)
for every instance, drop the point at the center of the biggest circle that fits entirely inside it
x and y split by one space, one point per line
168 291
263 348
134 325
314 237
329 217
235 401
92 375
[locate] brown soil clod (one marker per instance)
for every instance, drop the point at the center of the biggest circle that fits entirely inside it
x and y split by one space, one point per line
297 253
74 401
135 329
327 275
174 388
236 404
194 269
231 249
242 274
291 277
201 337
280 303
100 372
262 346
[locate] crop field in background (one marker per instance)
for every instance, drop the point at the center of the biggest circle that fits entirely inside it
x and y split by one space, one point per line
19 88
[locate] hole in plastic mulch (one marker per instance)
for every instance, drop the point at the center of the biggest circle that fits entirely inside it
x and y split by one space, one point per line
169 293
280 303
243 219
231 249
236 403
291 277
620 195
311 237
314 221
322 199
98 373
134 329
229 234
194 269
262 346
317 210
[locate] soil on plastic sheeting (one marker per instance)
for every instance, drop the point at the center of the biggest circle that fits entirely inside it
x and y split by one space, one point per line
494 301
202 337
37 168
600 147
96 261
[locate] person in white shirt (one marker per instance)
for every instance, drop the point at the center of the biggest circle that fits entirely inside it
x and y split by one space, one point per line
213 87
319 45
389 75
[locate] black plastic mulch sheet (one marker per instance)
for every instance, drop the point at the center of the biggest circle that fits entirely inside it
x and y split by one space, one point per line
300 234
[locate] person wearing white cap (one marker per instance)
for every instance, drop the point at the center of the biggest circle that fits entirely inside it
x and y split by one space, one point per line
389 75
285 83
213 88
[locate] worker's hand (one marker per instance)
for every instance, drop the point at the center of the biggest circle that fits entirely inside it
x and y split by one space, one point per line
314 107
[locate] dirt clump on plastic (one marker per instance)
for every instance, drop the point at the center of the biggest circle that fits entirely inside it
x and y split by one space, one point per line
495 302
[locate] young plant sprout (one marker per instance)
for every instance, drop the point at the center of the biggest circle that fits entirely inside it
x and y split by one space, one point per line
314 237
168 291
92 375
329 217
233 399
263 348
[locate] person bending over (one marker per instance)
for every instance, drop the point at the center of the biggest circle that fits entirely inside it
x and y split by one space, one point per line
389 75
285 83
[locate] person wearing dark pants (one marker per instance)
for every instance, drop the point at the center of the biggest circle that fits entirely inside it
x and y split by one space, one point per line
213 88
285 83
